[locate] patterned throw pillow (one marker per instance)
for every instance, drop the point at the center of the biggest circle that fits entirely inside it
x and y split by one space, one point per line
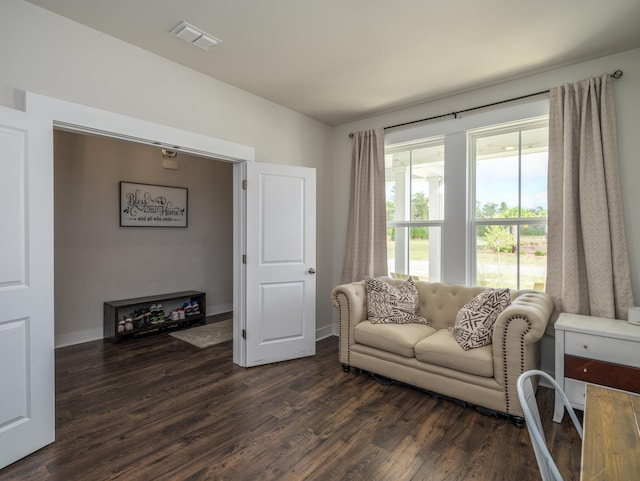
387 304
475 321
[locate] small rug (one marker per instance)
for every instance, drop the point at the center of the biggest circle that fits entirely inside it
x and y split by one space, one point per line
208 335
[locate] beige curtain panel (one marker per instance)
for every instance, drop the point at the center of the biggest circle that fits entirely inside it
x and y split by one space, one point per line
587 265
366 250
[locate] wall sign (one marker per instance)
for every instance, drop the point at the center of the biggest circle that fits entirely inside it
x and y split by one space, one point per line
146 205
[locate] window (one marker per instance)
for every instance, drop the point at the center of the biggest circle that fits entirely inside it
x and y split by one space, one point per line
467 199
509 218
414 174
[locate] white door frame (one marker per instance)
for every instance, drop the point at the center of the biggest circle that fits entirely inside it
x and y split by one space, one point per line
81 118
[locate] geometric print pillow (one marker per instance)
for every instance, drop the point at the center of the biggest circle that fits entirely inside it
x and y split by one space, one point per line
387 304
475 321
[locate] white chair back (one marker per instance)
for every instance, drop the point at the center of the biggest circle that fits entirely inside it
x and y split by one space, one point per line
526 394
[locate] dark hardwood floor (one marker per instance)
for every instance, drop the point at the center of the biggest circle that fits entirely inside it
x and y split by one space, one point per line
158 408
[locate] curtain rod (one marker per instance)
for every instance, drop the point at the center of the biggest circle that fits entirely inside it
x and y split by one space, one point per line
615 75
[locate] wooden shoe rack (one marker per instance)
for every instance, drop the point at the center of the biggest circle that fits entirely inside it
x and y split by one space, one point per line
115 311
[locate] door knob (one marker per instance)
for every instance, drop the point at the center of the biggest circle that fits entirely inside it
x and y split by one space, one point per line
312 270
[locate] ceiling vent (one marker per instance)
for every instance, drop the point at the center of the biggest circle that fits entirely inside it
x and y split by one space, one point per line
195 36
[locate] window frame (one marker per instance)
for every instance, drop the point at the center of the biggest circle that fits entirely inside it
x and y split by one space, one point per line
408 224
456 257
519 222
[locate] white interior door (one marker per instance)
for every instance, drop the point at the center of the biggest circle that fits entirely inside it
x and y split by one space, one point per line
26 285
280 263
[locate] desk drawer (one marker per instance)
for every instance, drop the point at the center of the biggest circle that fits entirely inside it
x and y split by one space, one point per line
618 351
603 373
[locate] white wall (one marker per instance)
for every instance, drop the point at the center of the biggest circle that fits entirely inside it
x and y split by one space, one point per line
96 260
627 96
51 55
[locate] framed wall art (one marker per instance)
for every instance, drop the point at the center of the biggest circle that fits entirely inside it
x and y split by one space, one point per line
147 205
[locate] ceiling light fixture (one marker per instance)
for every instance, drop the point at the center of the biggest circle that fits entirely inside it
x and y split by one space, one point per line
195 36
169 154
169 159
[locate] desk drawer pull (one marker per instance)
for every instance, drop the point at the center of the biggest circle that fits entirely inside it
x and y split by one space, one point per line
585 369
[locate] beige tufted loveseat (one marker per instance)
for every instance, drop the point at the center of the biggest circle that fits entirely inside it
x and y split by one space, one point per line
429 357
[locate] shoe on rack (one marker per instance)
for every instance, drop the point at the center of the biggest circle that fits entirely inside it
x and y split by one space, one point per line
174 315
121 325
181 314
160 313
128 324
188 310
147 316
195 308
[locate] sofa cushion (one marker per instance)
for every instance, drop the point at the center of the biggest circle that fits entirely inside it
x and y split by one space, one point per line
397 338
387 304
440 303
442 349
475 321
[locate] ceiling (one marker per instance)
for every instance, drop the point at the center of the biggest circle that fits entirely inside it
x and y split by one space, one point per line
343 60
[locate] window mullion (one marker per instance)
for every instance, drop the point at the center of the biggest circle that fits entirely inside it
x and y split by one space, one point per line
510 221
520 173
518 249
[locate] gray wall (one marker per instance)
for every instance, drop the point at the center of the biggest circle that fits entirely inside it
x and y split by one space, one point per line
96 260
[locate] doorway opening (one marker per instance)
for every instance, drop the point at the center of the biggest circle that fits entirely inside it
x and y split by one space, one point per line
96 260
78 118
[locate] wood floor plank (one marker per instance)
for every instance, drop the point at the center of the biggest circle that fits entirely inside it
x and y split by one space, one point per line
158 408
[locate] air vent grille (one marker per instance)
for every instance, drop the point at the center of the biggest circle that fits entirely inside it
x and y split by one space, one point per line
195 36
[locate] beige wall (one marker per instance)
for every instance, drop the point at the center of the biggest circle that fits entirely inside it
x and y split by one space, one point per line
53 56
96 260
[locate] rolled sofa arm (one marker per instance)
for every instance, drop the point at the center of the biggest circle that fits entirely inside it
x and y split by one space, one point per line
516 346
351 301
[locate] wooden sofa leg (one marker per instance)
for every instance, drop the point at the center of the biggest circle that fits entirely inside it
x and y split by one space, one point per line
518 422
346 368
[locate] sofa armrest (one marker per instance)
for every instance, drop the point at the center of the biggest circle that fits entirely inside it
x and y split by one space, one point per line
351 301
516 347
535 306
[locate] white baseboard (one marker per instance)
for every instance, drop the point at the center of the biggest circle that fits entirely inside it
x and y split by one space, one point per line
78 337
324 332
219 308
